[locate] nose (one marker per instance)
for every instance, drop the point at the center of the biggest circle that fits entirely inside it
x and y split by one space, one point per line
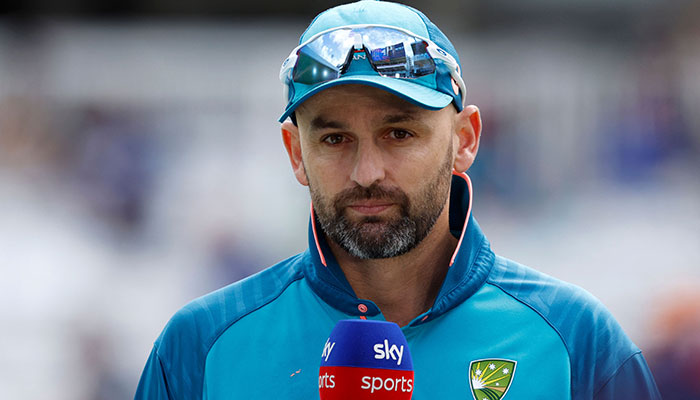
369 165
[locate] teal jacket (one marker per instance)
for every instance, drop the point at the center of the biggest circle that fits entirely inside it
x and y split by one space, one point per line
262 337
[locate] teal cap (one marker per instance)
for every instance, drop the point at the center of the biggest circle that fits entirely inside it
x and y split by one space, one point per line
434 91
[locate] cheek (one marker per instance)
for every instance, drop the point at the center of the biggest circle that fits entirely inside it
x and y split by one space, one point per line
327 175
419 162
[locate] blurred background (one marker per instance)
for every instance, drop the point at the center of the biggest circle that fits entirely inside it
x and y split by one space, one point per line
141 166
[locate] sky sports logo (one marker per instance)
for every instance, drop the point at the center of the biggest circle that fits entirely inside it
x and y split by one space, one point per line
338 379
363 358
386 352
327 349
382 351
336 383
389 384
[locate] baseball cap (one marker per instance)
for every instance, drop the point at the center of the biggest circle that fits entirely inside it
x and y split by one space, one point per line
434 91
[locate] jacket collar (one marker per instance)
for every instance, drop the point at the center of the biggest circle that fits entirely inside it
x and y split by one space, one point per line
471 263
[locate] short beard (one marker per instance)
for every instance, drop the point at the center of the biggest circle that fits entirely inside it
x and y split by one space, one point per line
377 237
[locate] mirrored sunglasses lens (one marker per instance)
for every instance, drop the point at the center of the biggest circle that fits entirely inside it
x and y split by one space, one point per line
396 61
311 69
390 60
423 63
392 53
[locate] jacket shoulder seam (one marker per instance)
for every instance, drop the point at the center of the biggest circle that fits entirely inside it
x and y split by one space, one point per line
252 310
298 277
617 370
546 320
166 368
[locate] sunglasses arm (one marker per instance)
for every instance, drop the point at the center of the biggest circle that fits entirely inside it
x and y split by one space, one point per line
439 54
288 66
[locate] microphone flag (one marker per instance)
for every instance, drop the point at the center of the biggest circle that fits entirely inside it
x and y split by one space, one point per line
364 359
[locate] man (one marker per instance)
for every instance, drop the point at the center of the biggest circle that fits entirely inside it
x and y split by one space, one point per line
379 134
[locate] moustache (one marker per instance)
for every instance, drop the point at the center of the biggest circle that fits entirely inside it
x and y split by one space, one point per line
373 192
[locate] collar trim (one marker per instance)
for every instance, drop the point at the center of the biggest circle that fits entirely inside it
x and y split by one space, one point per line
318 244
469 213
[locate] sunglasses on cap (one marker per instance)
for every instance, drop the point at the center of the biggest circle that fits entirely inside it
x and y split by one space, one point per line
392 52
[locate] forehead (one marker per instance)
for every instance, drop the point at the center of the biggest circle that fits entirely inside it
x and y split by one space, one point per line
358 100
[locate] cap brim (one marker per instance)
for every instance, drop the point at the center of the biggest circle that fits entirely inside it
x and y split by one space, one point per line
413 92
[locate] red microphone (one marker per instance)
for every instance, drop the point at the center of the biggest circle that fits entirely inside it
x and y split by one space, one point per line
365 359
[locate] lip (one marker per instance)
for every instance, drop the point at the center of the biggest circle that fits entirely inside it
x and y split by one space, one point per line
370 208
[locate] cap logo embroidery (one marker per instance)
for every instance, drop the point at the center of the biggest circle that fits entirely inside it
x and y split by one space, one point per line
359 56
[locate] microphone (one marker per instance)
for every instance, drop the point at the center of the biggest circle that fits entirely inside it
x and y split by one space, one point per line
364 359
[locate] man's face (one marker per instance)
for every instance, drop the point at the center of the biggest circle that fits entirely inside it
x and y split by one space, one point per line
378 168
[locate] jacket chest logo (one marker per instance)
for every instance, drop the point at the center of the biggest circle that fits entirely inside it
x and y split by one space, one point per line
490 378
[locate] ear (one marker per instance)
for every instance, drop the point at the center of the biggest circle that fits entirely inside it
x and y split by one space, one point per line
467 134
290 137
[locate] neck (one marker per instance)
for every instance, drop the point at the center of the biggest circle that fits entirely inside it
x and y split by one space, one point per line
405 286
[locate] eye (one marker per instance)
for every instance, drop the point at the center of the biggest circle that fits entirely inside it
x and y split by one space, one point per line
400 134
333 139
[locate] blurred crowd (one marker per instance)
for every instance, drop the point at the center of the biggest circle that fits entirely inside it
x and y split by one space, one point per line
141 166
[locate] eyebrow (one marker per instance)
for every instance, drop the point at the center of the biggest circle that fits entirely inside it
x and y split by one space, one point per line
320 123
396 118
